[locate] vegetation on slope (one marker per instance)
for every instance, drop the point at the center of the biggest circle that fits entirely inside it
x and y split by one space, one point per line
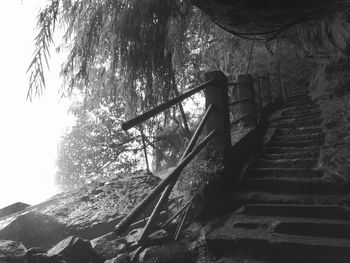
125 57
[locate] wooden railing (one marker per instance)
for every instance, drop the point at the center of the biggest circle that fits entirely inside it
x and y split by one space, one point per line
217 126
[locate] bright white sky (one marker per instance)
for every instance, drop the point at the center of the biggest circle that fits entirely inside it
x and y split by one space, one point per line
29 131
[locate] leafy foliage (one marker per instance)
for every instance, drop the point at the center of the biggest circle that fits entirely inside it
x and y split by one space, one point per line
46 24
125 57
90 149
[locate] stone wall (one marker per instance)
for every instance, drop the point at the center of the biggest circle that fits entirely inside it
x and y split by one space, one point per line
331 89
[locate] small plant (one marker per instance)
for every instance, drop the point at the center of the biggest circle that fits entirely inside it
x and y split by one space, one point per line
197 174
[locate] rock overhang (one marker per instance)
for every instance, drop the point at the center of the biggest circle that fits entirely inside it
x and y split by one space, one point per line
261 16
270 19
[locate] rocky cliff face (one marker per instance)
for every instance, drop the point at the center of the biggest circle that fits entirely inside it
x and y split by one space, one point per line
322 23
261 15
11 209
89 212
331 89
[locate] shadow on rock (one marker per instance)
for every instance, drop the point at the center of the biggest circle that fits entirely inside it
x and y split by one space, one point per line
35 230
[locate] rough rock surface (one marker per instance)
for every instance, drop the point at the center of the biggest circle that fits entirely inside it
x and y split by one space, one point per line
35 230
324 23
288 209
122 258
167 253
11 251
75 250
331 88
108 246
89 212
14 208
260 15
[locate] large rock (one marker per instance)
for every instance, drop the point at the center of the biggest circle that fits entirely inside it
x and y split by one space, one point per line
168 253
122 258
75 250
251 16
35 230
89 212
331 89
109 246
158 237
340 32
14 208
11 251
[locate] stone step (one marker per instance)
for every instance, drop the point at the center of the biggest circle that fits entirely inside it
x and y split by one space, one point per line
296 143
300 108
333 212
319 223
315 228
298 97
296 124
309 113
303 226
302 92
290 155
295 186
300 111
283 173
299 131
300 137
285 163
278 247
293 225
253 197
293 150
295 118
296 102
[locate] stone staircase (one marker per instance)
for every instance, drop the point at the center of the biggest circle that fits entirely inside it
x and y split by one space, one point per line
289 211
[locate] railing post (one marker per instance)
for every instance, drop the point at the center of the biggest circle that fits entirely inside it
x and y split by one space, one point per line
268 84
145 150
281 89
219 120
260 86
246 90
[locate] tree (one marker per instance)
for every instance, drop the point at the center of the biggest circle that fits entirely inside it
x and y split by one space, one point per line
91 148
124 58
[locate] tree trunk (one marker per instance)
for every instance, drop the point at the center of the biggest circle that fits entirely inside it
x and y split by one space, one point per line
184 118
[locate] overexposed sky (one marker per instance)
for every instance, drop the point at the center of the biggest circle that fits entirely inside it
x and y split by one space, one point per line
29 131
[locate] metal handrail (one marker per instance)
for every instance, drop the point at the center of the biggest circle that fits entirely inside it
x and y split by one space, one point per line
165 187
124 224
169 188
178 230
168 183
180 210
162 107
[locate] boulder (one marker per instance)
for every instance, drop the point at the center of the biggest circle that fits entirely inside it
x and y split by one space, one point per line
122 258
169 253
133 236
14 208
88 212
108 246
12 251
35 230
75 250
158 237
